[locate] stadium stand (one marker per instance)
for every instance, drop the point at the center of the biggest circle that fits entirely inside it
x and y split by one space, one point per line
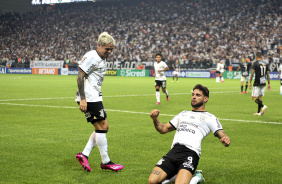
198 34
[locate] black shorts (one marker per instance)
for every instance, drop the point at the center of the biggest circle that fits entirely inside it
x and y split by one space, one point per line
179 157
95 112
160 83
217 72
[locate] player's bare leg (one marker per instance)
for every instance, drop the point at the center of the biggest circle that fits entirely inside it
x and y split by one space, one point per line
157 176
158 95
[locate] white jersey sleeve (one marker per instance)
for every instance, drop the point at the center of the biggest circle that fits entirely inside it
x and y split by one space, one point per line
88 62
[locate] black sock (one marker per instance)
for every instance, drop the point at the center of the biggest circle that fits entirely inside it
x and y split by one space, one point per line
246 87
242 88
260 105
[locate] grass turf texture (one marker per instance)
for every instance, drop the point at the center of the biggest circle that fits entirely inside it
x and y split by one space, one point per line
42 130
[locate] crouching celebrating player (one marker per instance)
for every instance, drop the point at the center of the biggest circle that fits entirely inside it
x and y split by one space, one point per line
191 128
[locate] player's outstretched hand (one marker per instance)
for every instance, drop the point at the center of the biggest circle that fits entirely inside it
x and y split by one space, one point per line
154 114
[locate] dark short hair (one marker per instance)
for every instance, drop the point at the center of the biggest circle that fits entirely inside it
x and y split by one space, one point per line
202 88
259 54
158 55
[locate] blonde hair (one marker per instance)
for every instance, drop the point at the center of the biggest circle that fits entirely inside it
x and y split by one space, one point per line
105 39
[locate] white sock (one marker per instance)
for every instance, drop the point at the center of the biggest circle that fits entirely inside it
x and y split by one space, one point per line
280 89
102 143
90 145
158 96
194 180
222 79
166 92
217 79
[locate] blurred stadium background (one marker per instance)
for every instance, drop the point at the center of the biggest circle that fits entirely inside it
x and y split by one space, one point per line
197 33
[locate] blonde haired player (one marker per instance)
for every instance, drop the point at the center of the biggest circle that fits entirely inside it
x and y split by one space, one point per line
92 70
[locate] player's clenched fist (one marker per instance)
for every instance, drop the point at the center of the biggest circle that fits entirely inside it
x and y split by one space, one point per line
154 114
225 141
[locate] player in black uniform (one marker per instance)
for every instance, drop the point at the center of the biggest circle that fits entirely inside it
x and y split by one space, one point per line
245 67
260 69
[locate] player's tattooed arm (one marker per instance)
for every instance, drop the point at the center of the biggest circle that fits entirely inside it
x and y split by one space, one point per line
80 83
160 127
224 139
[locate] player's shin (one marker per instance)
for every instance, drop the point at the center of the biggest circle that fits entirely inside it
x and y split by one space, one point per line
90 145
158 95
102 144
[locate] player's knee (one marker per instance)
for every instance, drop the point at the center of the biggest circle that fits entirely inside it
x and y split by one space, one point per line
102 125
157 89
152 181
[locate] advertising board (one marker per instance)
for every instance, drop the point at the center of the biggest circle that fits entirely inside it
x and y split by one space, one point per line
18 71
132 73
45 71
46 64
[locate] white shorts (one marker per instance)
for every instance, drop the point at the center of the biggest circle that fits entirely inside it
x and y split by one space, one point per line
258 91
175 73
245 79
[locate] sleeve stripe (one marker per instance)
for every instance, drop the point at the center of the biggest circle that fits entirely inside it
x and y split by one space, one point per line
217 131
172 125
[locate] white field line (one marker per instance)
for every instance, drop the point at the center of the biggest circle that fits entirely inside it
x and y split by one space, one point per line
132 112
113 96
59 98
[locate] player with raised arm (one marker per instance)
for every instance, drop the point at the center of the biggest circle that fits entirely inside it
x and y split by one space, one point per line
191 128
245 67
92 70
160 78
260 69
176 70
219 71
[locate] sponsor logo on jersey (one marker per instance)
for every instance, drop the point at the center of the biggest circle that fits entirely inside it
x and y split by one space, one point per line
202 118
184 128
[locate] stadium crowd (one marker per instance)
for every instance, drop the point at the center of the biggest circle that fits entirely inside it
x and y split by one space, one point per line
196 32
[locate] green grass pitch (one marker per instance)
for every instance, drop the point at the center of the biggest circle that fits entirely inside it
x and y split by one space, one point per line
42 129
